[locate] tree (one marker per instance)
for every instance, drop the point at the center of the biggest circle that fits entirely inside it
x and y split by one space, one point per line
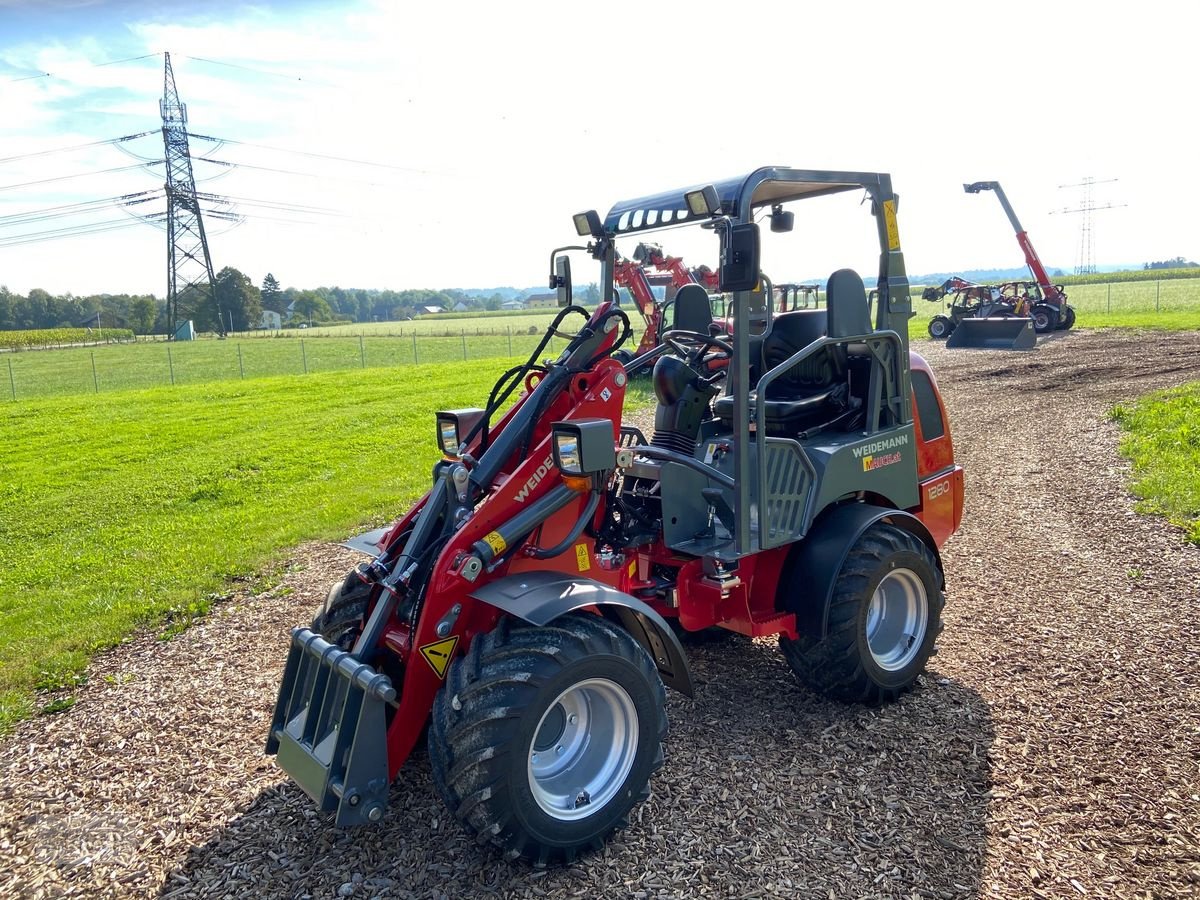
142 313
311 306
238 299
272 295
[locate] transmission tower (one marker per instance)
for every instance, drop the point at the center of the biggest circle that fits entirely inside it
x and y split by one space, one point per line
190 280
1087 263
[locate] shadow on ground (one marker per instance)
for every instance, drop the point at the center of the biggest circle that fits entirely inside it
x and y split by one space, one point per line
767 789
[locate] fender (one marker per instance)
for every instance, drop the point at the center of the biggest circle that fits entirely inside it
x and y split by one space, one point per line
816 561
541 597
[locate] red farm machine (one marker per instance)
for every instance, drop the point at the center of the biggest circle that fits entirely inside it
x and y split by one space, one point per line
683 306
524 616
974 320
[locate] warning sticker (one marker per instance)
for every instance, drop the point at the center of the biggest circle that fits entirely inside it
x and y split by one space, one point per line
583 559
889 219
493 540
439 653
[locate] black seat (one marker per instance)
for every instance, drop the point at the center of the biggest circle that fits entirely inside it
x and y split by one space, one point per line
806 387
693 311
815 389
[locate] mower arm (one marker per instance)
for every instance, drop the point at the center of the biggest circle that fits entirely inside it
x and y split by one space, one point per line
541 597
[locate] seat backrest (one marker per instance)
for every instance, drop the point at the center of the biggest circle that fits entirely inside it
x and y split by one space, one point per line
693 311
789 333
846 298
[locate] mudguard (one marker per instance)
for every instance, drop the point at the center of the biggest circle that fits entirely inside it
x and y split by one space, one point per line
541 597
815 562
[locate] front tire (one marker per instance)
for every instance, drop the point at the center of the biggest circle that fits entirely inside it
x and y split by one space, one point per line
883 620
940 327
1068 318
543 738
1045 318
340 618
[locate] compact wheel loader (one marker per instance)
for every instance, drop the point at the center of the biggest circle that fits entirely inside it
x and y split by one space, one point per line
523 616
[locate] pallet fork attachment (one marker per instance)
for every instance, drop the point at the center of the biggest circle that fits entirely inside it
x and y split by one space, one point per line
330 729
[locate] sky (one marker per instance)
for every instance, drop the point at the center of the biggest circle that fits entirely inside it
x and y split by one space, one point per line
490 124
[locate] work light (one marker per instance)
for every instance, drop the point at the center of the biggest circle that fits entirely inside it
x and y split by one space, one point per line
453 426
584 447
587 224
703 201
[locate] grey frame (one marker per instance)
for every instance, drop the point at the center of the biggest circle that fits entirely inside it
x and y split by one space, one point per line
740 197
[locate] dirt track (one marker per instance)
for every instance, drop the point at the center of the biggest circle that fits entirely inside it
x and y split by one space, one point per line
1053 750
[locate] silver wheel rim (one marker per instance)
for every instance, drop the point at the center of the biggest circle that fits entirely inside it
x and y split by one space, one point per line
583 749
897 619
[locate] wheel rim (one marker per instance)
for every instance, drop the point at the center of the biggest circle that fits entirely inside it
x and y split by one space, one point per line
897 619
583 749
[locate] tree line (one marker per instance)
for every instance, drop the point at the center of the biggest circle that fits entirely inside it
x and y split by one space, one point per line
241 304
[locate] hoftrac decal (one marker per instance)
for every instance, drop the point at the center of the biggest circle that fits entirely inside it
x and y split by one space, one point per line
871 463
873 455
535 479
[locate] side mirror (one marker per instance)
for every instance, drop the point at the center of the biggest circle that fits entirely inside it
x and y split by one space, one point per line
739 257
561 279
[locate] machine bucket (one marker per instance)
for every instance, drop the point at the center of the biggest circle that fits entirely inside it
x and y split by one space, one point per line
993 334
330 729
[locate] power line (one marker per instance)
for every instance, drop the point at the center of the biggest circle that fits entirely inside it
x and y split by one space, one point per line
117 140
70 209
111 62
11 187
345 159
76 230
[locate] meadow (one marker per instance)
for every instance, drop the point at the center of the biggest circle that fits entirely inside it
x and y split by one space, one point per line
1156 305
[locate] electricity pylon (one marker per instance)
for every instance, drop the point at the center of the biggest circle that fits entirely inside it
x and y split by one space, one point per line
190 279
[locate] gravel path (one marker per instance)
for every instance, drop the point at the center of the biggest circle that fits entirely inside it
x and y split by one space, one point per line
1053 751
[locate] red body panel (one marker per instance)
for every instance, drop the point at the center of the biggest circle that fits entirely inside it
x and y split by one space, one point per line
941 478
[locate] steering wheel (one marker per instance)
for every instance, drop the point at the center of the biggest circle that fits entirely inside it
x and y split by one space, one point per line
691 345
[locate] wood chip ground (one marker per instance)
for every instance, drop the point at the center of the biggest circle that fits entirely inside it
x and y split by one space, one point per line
1051 751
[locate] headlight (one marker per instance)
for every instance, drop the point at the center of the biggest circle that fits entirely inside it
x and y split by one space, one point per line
453 426
584 446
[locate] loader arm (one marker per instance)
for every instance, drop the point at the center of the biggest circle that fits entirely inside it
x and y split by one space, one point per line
1050 292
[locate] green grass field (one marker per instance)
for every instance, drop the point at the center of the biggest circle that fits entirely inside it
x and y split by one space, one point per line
50 373
137 507
1163 441
124 508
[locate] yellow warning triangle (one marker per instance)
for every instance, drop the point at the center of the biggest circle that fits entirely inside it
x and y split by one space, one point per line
439 653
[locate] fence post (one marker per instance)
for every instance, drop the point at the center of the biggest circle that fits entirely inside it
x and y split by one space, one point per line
95 380
170 364
1157 294
510 340
241 365
303 356
464 342
11 382
362 353
414 337
1109 297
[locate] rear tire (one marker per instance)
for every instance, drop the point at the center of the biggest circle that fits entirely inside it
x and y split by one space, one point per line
543 738
1045 318
940 327
1068 318
883 620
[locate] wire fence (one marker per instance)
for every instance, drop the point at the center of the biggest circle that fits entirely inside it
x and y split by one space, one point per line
50 373
149 363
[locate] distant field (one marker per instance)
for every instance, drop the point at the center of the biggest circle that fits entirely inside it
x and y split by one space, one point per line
51 373
483 323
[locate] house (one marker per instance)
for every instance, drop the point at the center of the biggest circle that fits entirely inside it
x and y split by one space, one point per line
460 306
270 319
541 301
513 304
429 310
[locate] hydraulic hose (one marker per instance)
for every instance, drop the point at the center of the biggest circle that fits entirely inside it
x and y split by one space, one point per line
565 543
